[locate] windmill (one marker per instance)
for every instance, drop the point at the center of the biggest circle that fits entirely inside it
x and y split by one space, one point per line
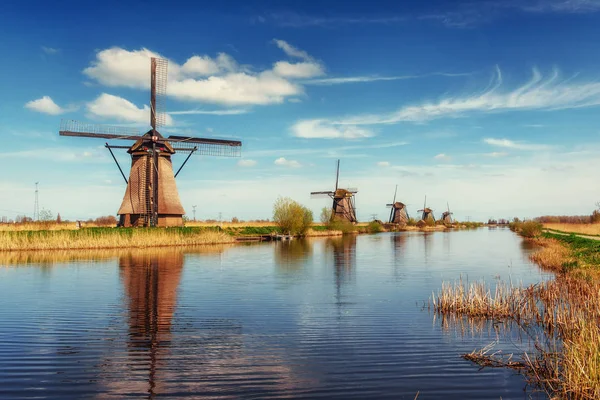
447 215
427 212
343 200
151 197
398 214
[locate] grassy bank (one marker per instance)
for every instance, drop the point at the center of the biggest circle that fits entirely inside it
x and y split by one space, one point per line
107 238
561 316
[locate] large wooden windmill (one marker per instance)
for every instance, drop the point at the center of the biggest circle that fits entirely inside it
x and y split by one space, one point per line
151 197
343 200
447 215
398 213
427 212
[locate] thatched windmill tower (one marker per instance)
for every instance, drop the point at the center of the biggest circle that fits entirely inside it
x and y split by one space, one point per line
447 215
343 201
398 213
151 197
427 212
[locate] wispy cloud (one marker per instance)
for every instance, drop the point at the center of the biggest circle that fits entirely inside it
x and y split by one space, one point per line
442 157
506 143
322 129
246 163
326 151
364 79
383 164
50 50
539 93
234 111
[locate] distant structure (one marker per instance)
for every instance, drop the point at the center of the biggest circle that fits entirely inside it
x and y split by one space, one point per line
151 197
427 212
36 204
398 213
343 201
447 215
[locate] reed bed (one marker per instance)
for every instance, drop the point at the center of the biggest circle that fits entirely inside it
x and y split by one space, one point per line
107 238
561 315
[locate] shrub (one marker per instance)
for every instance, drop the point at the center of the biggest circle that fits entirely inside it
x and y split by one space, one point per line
411 222
235 220
374 227
530 229
326 215
292 217
341 225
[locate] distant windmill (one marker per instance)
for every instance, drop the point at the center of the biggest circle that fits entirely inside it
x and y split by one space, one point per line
427 212
398 213
151 197
447 215
343 200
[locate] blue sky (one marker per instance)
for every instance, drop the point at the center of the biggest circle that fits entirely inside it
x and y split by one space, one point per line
491 107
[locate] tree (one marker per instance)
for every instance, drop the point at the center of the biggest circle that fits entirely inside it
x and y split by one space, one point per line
58 219
326 215
292 217
235 220
46 215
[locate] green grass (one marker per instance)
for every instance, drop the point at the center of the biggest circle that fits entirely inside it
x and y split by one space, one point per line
585 251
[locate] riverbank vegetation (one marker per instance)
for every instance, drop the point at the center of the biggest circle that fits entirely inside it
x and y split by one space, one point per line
561 316
106 238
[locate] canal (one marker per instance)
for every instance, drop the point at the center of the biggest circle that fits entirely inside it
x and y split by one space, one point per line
342 317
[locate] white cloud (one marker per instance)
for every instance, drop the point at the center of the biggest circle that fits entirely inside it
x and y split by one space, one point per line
219 80
383 164
287 163
47 106
298 70
236 89
355 79
515 145
117 108
442 157
246 163
539 93
323 129
49 50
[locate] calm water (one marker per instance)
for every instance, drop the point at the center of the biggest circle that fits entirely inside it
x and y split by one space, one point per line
326 318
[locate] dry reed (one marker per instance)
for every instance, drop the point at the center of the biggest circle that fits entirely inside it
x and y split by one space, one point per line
566 358
108 238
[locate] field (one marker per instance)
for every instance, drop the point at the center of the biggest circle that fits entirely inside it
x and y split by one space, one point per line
584 229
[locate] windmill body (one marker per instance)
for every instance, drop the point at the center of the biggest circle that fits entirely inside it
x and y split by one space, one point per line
137 205
427 213
151 197
343 208
447 216
398 214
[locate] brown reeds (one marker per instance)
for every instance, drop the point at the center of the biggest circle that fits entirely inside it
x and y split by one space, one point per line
566 358
108 238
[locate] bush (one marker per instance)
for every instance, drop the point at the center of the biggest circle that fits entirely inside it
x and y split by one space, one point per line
326 215
411 222
530 229
292 217
341 225
374 227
